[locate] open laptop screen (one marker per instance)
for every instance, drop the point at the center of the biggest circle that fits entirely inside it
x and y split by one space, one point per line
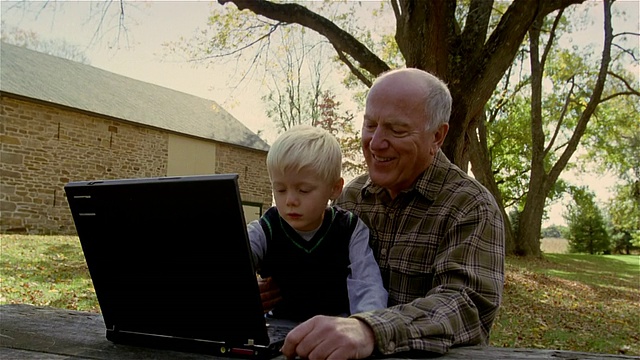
170 257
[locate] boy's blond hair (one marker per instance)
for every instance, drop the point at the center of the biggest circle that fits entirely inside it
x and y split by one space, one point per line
306 147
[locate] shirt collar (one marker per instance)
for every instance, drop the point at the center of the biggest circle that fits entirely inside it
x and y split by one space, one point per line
428 184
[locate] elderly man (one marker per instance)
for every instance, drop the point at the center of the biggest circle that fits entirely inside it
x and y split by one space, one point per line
437 234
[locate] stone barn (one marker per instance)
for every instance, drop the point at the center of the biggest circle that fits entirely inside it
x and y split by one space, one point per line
65 121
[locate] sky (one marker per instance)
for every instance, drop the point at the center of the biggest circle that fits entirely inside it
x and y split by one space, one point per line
138 54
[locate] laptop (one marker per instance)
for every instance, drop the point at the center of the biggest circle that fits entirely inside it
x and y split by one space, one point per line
171 264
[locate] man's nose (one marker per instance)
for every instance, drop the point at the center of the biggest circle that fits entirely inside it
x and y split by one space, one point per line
379 139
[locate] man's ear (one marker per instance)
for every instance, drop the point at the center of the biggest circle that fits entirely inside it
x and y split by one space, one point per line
440 134
337 189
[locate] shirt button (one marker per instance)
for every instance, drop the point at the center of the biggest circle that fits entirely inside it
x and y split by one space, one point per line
391 346
383 251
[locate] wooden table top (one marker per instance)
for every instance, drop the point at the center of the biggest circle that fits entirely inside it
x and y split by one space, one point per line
30 332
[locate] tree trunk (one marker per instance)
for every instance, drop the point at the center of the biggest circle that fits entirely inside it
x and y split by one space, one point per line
454 143
481 167
541 182
529 226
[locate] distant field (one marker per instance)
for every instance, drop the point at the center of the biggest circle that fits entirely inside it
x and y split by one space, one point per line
554 245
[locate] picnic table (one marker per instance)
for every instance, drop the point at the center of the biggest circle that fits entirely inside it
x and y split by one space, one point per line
31 332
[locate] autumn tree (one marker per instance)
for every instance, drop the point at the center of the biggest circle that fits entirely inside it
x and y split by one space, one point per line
341 125
468 45
471 48
298 93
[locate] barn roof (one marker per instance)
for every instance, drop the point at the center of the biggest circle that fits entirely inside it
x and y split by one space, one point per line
64 82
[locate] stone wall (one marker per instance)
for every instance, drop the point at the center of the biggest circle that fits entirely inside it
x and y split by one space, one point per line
252 170
43 147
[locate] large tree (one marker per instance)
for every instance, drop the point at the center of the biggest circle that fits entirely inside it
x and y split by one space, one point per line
530 136
468 45
471 45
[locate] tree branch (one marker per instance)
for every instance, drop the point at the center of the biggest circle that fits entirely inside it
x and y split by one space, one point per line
626 33
340 39
273 28
623 93
595 98
627 51
625 82
353 68
503 44
565 107
475 30
552 35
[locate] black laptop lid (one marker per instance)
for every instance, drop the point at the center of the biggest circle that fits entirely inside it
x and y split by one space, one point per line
170 256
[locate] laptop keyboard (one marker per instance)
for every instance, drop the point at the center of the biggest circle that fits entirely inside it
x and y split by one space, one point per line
277 333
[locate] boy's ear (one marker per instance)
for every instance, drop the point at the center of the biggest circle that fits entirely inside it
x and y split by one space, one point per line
337 189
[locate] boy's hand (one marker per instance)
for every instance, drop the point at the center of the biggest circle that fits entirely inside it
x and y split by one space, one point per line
269 293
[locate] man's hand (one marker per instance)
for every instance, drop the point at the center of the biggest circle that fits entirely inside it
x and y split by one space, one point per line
269 293
325 337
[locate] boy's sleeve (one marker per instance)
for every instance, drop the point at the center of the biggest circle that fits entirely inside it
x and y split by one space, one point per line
364 283
258 242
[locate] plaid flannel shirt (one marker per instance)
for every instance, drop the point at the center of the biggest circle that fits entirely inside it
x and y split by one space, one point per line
440 248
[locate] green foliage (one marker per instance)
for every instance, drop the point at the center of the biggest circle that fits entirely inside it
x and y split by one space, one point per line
569 74
586 225
509 144
624 214
613 140
514 219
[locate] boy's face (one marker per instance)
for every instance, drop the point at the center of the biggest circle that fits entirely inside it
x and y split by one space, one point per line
301 197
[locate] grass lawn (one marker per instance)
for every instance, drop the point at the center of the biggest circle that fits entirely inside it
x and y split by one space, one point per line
45 270
570 302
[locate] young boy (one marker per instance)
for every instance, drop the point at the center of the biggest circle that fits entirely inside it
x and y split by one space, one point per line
318 255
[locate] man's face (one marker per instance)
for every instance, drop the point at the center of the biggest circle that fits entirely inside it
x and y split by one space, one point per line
396 145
